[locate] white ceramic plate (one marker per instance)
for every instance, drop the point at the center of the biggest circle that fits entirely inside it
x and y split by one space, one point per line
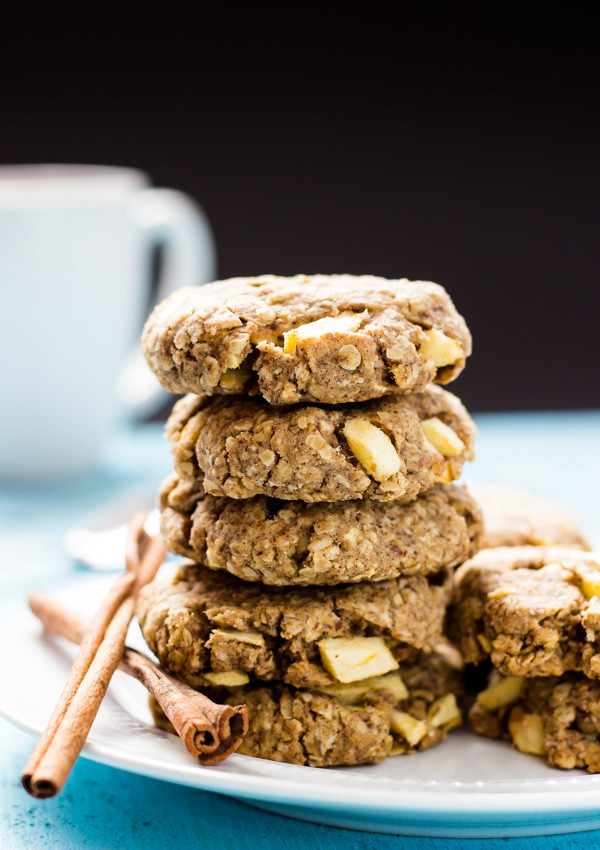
467 786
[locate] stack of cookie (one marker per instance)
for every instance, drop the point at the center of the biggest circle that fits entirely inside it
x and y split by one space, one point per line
312 495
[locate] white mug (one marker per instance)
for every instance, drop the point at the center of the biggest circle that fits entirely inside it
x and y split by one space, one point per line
75 271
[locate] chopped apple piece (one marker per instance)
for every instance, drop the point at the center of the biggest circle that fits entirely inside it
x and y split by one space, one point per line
234 379
444 713
408 726
441 348
500 592
502 693
429 446
442 437
391 682
228 678
254 638
351 659
527 731
446 477
590 584
327 325
353 692
191 430
485 643
372 448
210 557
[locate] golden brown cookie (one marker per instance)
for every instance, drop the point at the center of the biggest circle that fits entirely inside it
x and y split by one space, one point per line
555 717
533 610
409 710
201 623
514 517
323 338
393 447
292 542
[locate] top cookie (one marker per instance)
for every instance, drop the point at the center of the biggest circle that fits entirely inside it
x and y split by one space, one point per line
319 338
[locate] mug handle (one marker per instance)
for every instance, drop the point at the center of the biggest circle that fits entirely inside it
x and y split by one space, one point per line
173 221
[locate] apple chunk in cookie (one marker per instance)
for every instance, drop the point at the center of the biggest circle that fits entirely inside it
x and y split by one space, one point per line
373 449
355 658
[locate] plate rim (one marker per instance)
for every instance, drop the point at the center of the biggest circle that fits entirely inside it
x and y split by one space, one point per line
560 797
272 786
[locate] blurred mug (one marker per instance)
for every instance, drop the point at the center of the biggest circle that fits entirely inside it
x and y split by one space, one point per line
76 250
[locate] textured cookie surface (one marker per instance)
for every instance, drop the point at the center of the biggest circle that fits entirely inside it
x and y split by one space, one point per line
228 337
534 610
291 542
514 517
315 728
205 622
556 717
243 447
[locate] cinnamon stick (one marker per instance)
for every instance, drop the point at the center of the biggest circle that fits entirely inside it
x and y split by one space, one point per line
99 655
208 740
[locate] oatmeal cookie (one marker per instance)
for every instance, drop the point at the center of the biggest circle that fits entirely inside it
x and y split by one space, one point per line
556 717
201 623
323 338
407 711
534 610
514 517
386 449
289 542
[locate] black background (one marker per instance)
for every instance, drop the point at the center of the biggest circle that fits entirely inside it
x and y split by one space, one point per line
396 141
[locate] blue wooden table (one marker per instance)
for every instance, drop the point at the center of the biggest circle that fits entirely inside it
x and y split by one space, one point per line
556 455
